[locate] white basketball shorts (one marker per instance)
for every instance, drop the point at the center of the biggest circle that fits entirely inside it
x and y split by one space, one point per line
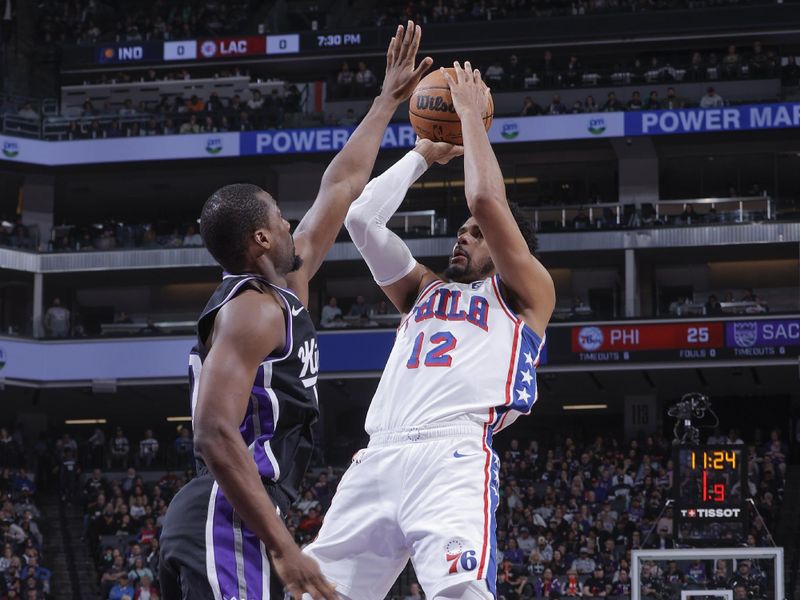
426 493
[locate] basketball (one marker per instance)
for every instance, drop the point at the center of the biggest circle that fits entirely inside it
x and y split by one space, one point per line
432 113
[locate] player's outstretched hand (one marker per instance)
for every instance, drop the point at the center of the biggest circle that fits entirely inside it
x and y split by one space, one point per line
470 94
437 152
401 75
301 575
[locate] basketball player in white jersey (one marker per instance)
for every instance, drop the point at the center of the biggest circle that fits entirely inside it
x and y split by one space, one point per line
462 368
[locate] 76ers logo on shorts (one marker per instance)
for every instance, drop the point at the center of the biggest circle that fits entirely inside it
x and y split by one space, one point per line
460 560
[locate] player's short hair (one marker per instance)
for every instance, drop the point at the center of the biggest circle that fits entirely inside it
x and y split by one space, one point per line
525 227
229 217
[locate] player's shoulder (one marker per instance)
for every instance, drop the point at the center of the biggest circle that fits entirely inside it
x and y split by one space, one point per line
252 313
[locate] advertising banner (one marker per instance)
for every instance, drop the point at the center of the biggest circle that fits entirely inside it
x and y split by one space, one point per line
397 135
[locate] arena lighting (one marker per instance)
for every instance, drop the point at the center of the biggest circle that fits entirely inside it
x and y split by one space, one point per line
429 185
584 406
85 422
179 419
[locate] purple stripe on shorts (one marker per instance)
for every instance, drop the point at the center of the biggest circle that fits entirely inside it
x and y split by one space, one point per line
224 555
263 463
252 565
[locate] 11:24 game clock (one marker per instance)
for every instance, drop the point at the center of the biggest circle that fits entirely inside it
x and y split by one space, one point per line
710 491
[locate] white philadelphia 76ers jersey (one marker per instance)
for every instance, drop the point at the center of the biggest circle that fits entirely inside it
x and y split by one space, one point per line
460 353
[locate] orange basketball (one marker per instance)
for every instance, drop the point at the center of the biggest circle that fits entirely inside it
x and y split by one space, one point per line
431 110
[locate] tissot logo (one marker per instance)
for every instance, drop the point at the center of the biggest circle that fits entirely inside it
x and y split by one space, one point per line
710 513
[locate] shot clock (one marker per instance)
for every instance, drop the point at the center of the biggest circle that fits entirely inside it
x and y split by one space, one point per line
710 491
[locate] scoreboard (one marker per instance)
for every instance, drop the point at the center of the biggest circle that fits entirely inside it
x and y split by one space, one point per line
678 341
245 46
710 491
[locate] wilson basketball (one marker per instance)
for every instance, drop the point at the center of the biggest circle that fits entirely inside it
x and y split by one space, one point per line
431 110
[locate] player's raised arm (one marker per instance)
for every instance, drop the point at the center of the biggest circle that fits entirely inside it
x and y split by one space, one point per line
348 173
394 268
524 277
246 330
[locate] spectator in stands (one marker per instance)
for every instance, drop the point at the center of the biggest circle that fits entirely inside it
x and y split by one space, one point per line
359 307
150 328
122 588
697 68
120 450
574 72
596 586
192 238
366 82
790 72
95 131
151 127
195 104
88 109
184 449
414 592
331 315
74 131
348 120
548 69
589 105
214 104
530 108
127 109
344 81
27 112
612 104
711 99
713 307
759 64
515 73
653 103
145 590
57 320
577 108
244 122
191 126
148 449
584 564
731 63
556 107
672 101
635 103
115 129
494 75
256 102
292 99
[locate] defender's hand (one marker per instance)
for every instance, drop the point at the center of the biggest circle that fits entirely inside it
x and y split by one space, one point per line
301 575
439 152
470 94
401 76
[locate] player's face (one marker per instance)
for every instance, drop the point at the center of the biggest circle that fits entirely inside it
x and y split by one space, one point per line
470 260
284 257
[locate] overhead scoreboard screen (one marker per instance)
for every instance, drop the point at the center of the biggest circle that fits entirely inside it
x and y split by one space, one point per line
682 341
205 49
710 492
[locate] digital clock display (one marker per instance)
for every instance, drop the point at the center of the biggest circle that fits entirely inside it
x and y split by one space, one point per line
710 490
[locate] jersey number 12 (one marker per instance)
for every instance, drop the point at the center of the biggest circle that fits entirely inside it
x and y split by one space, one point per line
438 356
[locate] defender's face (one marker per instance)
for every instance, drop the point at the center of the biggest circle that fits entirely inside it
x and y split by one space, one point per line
470 260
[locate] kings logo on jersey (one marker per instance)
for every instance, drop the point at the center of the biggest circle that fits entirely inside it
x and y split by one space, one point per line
459 559
308 354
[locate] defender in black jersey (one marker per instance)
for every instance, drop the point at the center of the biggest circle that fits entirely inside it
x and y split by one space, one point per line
254 372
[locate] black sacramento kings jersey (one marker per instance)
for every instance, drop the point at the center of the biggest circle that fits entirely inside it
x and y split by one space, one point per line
283 401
